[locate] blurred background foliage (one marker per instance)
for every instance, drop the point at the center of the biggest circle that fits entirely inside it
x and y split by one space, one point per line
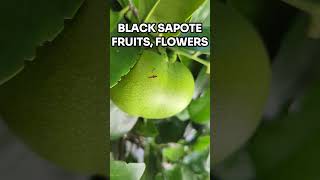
286 143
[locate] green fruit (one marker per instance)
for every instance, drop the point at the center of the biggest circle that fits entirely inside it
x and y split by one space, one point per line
241 76
154 88
57 104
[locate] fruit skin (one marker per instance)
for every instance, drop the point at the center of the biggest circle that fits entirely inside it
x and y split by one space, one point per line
241 78
154 88
57 104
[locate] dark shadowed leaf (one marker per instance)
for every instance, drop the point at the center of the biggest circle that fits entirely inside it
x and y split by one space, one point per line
122 59
146 128
170 130
25 25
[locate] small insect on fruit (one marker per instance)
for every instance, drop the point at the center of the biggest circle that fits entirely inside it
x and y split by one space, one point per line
153 76
158 98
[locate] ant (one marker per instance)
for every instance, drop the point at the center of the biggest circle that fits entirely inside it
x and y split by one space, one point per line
153 76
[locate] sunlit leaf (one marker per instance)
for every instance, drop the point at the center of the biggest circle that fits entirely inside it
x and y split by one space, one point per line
174 152
202 143
123 171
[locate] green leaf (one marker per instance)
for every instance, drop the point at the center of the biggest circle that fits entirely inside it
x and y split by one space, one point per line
146 128
181 172
153 159
159 176
202 144
174 173
122 59
120 122
121 170
178 11
25 25
196 161
57 104
205 33
170 130
145 7
199 109
116 17
202 82
202 14
124 3
186 61
188 174
174 152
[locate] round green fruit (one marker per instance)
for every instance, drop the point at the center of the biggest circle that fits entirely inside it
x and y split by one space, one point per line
241 76
155 88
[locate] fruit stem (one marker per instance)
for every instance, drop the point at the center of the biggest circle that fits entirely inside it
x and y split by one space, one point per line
193 57
172 55
125 10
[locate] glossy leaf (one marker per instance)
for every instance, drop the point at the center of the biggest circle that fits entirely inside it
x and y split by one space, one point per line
202 143
122 59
